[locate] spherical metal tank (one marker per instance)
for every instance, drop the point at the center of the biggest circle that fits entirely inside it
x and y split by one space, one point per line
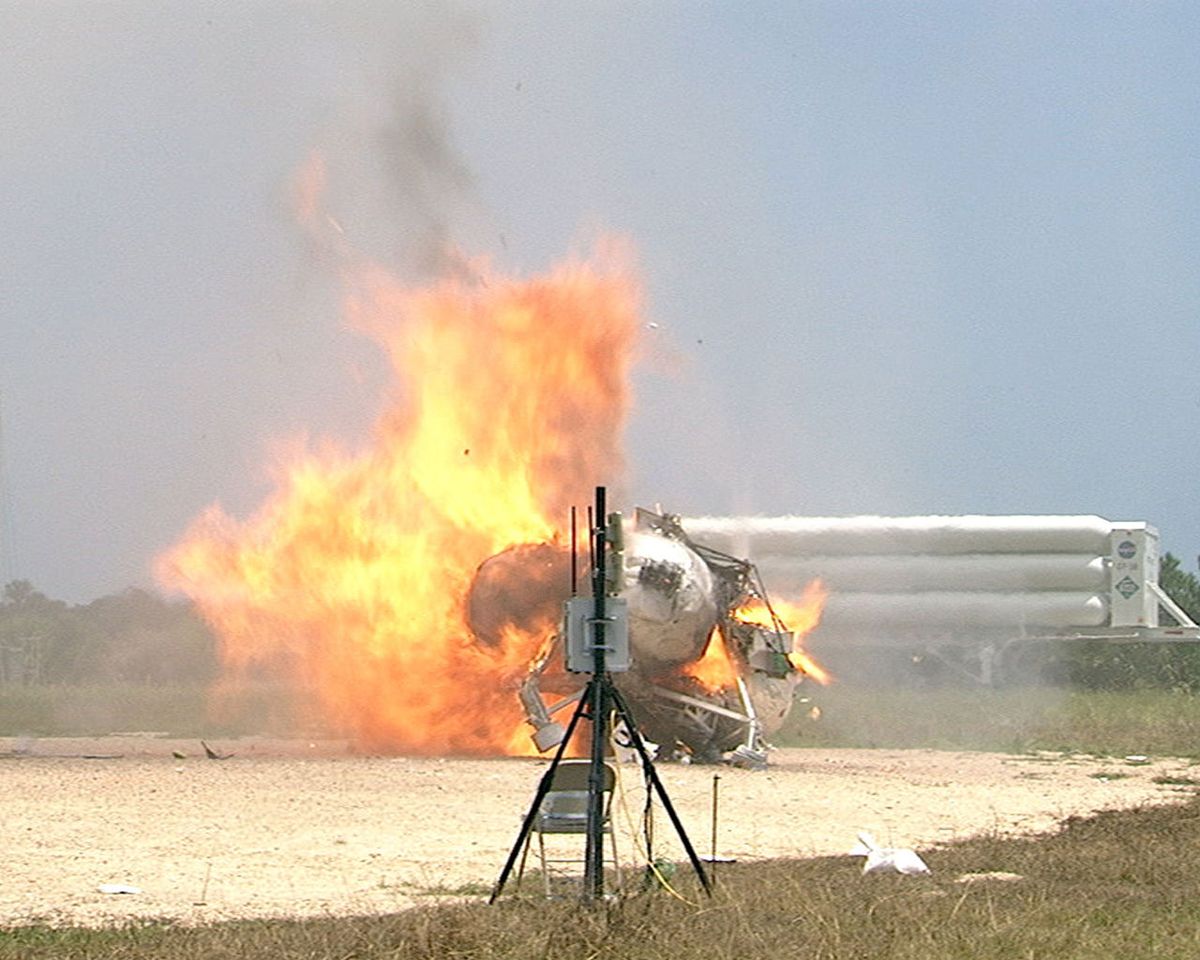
670 594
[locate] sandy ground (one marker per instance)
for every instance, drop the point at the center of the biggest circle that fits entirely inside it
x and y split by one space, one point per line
285 828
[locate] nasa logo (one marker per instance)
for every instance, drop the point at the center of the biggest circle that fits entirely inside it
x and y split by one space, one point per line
1126 549
1127 588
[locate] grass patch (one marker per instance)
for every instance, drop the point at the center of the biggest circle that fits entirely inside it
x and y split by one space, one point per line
182 710
67 711
1118 884
1011 720
1176 781
469 889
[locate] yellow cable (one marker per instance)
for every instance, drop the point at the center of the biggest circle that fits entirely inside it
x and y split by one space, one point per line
622 800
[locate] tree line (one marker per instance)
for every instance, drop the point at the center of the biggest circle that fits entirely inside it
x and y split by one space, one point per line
131 637
1181 586
137 636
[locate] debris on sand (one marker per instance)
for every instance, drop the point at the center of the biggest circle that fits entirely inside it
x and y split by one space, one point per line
997 875
884 859
212 754
118 888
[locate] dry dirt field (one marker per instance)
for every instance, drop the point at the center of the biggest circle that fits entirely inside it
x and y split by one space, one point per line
287 828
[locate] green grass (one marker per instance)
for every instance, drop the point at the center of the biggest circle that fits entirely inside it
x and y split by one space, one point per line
1122 884
176 710
1168 780
98 709
1015 720
1012 720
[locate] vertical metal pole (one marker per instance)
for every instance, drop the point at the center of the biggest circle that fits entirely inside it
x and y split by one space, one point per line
593 877
574 555
712 869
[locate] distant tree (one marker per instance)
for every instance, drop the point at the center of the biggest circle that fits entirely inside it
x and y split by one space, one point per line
1183 587
20 592
33 628
140 637
132 637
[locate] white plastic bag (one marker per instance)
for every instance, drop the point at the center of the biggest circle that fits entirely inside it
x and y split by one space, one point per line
882 859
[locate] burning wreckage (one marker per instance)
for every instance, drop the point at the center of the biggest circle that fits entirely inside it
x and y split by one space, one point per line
712 668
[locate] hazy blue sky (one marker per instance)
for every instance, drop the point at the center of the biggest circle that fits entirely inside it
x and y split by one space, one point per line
904 257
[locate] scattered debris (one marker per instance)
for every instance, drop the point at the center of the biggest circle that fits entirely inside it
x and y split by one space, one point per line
212 754
118 888
748 758
1137 759
998 875
881 859
179 754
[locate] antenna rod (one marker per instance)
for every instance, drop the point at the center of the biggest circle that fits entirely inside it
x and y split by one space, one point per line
574 554
593 875
591 540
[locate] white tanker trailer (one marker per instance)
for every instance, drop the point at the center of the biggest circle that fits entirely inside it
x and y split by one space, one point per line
979 585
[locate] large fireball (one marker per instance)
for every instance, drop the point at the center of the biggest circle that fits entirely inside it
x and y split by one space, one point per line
352 579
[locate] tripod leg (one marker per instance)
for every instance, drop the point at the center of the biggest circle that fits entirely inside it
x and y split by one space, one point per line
543 789
524 857
593 874
652 775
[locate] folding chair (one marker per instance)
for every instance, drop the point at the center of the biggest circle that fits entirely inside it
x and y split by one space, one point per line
564 810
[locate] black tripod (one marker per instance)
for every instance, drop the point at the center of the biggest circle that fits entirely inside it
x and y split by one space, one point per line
599 697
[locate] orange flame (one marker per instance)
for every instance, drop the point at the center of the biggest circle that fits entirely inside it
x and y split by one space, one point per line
352 578
715 669
801 617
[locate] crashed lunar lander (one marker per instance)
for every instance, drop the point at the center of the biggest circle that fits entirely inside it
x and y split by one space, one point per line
683 601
